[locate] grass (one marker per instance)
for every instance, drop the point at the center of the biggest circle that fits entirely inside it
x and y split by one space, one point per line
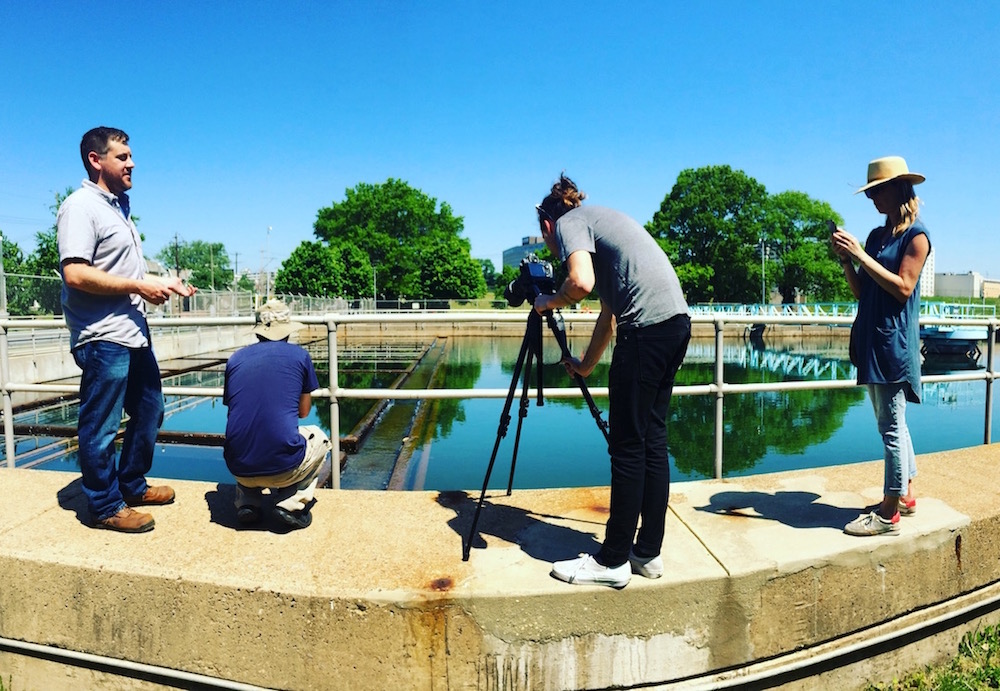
976 667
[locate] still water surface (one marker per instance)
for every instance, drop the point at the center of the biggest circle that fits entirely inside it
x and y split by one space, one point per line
561 444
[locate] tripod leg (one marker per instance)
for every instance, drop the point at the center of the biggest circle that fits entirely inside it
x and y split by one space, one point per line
501 433
522 413
560 333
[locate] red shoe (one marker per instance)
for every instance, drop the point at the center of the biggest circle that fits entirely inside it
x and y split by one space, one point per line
907 508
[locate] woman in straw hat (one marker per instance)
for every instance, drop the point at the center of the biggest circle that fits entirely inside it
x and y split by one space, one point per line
885 340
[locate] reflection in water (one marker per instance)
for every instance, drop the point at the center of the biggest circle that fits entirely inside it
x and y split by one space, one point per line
764 432
561 444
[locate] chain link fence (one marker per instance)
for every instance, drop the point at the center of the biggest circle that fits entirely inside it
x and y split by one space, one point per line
29 296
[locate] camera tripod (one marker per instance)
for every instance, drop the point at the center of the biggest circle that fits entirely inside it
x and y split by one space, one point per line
531 348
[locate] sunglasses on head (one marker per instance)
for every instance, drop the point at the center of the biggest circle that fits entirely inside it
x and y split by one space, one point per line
543 212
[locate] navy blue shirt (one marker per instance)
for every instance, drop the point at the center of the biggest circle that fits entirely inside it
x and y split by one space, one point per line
886 334
263 385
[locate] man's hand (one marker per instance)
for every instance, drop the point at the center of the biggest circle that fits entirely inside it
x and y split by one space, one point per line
542 304
176 285
574 366
157 291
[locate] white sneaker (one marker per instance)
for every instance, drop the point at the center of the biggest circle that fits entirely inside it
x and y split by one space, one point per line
650 567
584 570
873 524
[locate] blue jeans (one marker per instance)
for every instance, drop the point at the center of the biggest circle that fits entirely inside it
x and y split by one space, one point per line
889 402
116 378
640 383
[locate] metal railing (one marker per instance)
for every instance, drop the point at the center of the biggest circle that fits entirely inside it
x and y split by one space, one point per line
333 392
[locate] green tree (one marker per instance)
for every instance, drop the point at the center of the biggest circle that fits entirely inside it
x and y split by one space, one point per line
311 269
44 263
446 269
400 229
801 262
208 263
19 295
490 275
710 225
321 270
245 283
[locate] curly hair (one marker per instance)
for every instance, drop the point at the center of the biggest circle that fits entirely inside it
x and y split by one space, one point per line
564 196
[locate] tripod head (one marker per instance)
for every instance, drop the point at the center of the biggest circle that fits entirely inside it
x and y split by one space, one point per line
535 279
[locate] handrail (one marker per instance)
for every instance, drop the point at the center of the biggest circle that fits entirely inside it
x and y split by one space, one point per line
719 387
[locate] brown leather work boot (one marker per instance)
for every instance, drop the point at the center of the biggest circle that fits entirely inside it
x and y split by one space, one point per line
153 496
127 521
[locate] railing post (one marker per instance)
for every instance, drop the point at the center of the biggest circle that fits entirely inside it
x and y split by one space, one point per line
719 381
331 347
990 340
8 408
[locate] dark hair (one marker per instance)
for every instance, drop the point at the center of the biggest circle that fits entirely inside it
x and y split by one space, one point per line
564 196
96 140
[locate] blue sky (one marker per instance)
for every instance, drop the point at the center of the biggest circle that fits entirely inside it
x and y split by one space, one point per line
245 116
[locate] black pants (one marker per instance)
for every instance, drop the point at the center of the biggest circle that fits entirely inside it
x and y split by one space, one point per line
641 381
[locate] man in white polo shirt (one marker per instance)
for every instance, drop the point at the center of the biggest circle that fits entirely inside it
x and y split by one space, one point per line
105 290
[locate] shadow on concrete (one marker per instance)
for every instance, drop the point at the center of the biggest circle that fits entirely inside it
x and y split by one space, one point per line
222 511
536 537
794 509
72 498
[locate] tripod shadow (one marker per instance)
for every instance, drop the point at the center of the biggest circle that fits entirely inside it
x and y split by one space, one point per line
794 509
536 537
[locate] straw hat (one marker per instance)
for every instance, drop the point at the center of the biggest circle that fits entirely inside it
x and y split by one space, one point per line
274 321
890 168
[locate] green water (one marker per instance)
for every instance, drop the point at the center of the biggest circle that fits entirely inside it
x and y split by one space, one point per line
561 444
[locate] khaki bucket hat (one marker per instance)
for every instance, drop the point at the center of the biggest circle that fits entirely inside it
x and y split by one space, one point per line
274 321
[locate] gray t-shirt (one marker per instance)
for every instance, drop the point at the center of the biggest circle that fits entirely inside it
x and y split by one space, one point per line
92 227
634 276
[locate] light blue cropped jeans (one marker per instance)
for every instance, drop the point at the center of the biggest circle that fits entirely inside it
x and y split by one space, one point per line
889 402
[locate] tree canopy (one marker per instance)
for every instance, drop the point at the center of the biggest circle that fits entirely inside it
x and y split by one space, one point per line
798 248
208 263
412 246
716 224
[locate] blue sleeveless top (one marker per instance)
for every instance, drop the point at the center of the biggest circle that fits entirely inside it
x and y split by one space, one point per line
885 338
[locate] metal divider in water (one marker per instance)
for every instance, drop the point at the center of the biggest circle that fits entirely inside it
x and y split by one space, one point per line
379 437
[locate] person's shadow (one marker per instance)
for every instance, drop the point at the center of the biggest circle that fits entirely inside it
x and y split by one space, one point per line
536 537
72 498
794 509
221 504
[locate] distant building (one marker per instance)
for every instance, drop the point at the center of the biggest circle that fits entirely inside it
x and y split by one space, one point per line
155 268
967 285
529 244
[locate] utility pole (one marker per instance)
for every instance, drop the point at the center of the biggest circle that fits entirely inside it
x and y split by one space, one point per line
236 272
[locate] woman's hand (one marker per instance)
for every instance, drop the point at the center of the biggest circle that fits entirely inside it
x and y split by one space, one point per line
846 245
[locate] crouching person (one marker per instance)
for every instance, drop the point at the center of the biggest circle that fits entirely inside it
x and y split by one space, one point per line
267 389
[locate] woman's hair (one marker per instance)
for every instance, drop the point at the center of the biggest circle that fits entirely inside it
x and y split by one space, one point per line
563 197
908 202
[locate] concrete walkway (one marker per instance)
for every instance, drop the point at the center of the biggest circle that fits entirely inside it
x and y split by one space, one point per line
375 595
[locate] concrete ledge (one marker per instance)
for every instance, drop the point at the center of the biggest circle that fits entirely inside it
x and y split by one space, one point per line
375 593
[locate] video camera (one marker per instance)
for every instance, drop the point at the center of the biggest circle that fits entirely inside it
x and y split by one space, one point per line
535 279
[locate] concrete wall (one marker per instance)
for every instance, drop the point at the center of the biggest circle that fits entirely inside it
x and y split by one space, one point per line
375 595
